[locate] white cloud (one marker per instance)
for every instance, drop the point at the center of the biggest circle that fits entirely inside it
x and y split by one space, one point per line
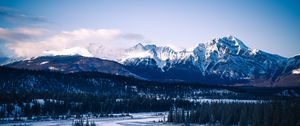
71 51
103 43
20 34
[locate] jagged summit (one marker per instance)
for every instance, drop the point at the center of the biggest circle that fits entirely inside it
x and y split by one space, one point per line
226 57
216 48
234 41
138 46
229 44
222 60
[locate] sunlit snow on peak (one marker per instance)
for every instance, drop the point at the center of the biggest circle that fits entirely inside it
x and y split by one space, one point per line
70 51
254 51
137 54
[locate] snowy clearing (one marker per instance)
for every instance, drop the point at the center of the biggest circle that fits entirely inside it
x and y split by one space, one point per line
204 100
137 119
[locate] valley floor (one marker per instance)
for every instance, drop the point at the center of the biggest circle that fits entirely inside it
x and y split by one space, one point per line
136 119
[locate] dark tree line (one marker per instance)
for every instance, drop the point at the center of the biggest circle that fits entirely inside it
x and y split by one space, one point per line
77 104
275 113
100 84
82 122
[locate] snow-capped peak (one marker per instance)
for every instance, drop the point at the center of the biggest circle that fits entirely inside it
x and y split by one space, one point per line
138 46
221 56
150 47
217 48
229 44
233 42
159 54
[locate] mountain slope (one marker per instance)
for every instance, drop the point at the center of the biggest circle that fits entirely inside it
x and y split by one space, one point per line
72 64
222 61
291 73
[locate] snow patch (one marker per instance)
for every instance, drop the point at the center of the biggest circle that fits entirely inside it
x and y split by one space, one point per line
53 68
45 62
254 51
40 101
204 100
138 54
296 71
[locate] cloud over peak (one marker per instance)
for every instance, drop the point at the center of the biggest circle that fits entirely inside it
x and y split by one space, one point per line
103 43
70 51
20 34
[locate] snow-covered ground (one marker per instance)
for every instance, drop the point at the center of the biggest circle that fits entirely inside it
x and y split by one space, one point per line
137 119
205 100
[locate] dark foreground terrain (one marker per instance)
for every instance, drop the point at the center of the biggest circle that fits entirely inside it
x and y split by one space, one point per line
43 95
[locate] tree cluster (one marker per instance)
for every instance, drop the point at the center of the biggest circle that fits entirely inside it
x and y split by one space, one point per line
275 113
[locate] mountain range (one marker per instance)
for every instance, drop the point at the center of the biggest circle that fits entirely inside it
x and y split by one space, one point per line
222 61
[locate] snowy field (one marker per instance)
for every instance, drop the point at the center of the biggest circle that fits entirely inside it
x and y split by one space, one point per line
204 100
137 119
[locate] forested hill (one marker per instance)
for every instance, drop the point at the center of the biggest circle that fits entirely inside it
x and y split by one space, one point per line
29 93
106 84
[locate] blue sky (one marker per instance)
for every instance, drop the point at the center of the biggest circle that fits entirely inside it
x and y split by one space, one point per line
269 25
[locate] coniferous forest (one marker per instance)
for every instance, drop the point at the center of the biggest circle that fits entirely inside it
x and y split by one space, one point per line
39 95
275 113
